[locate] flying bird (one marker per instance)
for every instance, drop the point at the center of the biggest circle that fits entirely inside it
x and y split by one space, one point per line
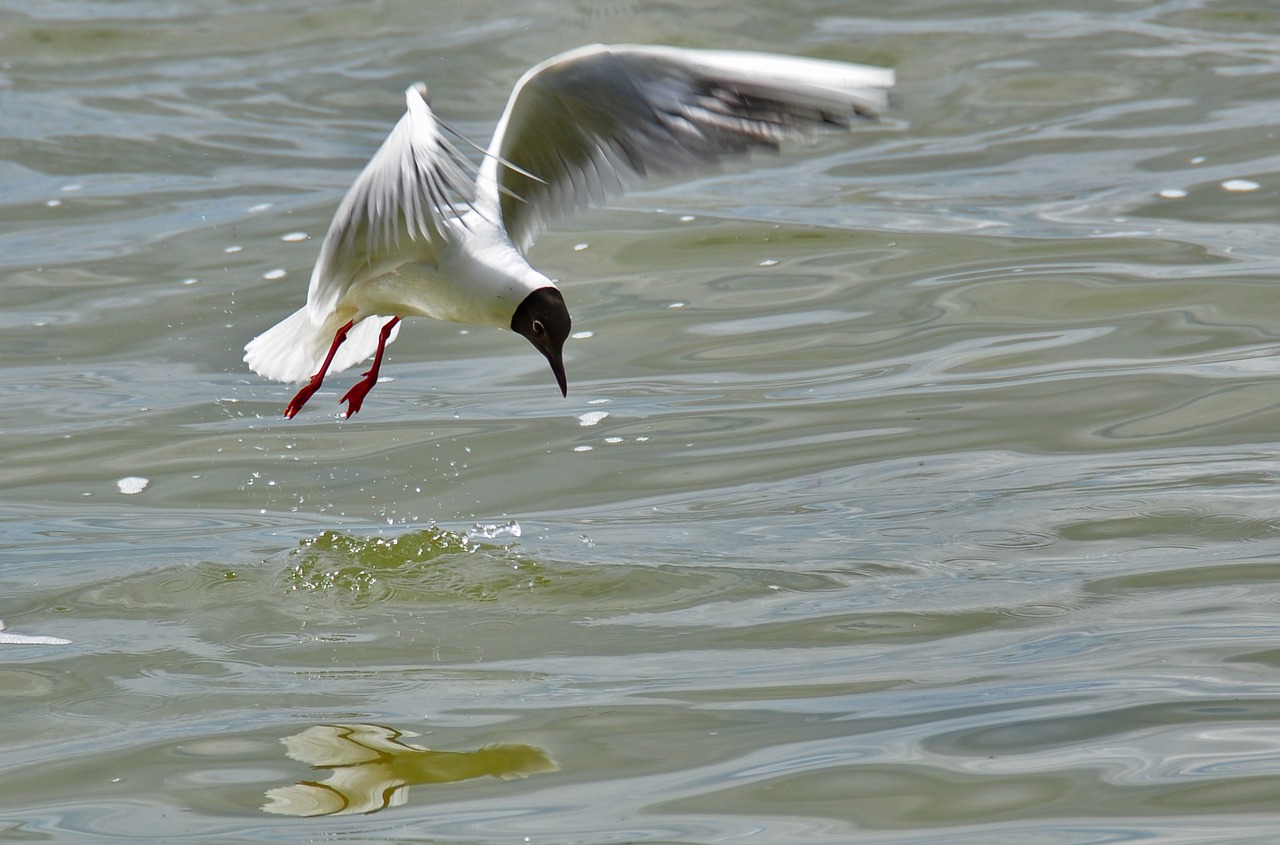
417 236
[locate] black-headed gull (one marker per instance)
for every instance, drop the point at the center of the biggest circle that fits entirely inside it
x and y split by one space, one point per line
416 237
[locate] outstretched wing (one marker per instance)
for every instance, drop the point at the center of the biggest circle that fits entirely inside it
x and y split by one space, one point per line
395 210
589 122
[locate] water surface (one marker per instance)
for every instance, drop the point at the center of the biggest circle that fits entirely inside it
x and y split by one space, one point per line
916 486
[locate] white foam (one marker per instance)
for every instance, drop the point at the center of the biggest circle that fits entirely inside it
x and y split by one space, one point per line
1240 185
132 484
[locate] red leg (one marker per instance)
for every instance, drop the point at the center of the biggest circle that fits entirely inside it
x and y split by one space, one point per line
309 389
359 390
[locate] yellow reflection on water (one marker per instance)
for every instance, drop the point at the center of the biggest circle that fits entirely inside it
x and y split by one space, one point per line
373 768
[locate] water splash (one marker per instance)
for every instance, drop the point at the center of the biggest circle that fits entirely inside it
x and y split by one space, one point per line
419 566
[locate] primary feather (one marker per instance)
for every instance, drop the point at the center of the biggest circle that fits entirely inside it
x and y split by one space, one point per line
590 122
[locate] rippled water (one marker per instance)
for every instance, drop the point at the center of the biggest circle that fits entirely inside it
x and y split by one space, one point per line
918 486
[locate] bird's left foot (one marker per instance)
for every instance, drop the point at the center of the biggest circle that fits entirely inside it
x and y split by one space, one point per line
355 396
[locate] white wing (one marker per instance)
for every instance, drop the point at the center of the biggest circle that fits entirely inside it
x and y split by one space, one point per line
589 122
395 210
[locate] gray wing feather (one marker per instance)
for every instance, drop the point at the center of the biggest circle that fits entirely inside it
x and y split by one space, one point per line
395 210
590 122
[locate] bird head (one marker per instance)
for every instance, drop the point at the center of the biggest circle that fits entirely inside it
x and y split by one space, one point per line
544 320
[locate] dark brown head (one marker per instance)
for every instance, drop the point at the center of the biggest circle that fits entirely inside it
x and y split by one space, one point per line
544 320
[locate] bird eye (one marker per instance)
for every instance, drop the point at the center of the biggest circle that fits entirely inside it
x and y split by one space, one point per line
538 328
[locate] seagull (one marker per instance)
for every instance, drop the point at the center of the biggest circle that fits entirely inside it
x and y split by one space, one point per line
423 233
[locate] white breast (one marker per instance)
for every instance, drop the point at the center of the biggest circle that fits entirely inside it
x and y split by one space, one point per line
479 279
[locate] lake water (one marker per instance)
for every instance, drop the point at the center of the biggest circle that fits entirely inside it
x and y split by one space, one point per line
916 486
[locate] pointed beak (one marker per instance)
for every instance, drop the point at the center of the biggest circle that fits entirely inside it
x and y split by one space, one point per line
557 366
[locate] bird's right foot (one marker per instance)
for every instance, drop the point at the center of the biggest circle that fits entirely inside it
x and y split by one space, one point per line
308 390
303 396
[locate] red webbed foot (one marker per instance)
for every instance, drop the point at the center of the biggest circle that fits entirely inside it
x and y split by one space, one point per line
355 396
309 389
305 394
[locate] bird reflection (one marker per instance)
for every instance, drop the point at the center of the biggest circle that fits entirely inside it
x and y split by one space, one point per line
24 639
373 768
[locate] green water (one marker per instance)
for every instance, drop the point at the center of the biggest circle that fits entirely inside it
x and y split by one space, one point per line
918 486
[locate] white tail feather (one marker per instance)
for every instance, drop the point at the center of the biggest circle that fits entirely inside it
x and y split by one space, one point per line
294 348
